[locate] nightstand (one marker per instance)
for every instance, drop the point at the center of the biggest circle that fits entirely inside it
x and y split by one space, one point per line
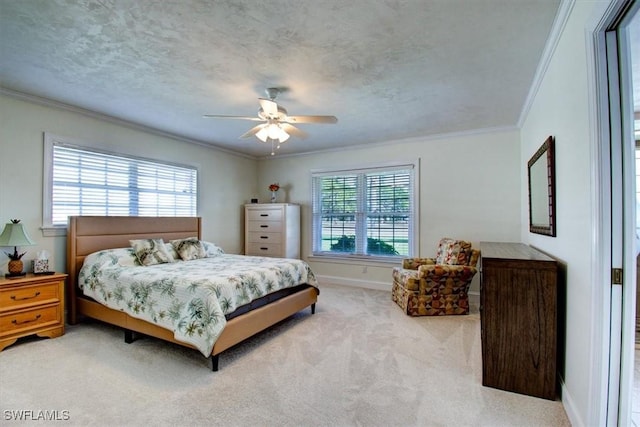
33 304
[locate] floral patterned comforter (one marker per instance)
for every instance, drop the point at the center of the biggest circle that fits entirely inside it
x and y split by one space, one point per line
190 298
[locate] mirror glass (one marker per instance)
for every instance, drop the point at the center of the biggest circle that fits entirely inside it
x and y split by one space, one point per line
541 171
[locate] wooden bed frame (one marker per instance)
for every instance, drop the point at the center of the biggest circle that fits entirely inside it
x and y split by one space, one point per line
88 234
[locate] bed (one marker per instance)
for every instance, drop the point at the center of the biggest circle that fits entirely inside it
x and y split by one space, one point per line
88 235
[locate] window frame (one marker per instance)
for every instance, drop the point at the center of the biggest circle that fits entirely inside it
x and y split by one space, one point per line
51 140
414 226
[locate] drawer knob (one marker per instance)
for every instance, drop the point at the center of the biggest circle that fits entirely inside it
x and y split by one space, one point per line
264 214
15 321
264 226
264 237
15 298
264 249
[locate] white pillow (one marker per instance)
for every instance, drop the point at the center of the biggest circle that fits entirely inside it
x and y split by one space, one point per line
172 251
126 257
211 249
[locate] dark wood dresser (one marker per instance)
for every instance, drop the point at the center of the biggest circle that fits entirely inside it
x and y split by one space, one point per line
519 316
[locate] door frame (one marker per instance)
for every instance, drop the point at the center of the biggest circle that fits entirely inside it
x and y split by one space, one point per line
614 166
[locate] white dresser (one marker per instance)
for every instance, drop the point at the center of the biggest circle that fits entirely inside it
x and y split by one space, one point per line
272 229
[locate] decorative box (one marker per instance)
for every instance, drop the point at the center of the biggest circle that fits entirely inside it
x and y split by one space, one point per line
40 265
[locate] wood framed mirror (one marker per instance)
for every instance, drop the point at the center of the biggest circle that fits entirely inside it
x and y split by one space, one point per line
542 190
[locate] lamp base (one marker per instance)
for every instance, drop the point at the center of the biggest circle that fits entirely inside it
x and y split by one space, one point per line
15 275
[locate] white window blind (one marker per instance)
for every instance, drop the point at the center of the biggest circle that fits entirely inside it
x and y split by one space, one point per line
365 212
86 182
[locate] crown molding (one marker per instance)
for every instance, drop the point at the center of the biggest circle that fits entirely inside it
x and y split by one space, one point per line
557 28
411 140
34 99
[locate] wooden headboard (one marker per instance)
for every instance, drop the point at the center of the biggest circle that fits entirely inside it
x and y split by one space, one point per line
88 234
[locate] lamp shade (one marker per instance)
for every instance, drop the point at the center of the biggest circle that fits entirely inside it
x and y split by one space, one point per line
14 234
263 134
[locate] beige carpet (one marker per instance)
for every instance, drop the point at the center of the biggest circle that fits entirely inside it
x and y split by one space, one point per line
357 362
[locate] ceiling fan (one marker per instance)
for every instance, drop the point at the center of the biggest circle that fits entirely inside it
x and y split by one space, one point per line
277 125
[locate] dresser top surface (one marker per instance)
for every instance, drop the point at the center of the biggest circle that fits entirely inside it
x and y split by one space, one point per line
31 278
268 205
514 251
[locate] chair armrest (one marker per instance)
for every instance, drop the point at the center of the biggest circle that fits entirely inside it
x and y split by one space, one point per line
474 257
414 263
438 272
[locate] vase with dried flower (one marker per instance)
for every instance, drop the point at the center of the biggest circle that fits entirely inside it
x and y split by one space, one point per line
274 191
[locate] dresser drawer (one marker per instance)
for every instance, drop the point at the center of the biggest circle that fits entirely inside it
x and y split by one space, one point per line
264 249
25 296
257 237
264 226
24 320
264 215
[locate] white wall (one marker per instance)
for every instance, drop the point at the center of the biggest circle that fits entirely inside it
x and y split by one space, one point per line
226 181
561 109
469 189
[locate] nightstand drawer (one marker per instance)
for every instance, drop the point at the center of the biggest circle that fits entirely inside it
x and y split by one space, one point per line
24 320
28 295
264 249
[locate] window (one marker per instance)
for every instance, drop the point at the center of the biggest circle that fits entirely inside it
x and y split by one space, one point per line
367 212
83 181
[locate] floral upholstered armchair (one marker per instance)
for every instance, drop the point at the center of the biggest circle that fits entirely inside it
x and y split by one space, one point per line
436 286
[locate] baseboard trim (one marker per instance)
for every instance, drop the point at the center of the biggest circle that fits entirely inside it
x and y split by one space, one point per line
569 406
367 284
356 283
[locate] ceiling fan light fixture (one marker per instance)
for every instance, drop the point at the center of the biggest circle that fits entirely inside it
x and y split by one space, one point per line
283 136
263 134
274 131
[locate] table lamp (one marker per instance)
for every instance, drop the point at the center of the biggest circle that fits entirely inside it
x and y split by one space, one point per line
15 235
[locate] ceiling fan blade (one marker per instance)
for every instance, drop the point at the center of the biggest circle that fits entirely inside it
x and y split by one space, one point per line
268 106
219 116
292 130
252 131
311 119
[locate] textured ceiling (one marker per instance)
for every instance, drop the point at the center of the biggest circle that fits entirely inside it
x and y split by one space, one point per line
388 69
